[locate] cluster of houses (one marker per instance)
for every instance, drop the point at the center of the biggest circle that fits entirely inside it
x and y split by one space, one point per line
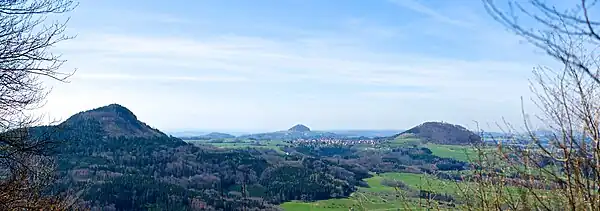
334 141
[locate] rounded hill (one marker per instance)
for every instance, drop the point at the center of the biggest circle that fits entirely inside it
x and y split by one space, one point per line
442 133
299 128
113 120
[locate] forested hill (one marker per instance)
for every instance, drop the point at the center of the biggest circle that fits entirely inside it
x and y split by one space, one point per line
115 121
442 133
299 128
120 163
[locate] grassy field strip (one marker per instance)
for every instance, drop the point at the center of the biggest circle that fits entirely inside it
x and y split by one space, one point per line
274 145
462 153
377 197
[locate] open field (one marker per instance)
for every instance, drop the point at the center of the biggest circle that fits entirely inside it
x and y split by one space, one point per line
404 141
378 196
462 153
381 197
274 145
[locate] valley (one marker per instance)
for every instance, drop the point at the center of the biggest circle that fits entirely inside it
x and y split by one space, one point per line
389 190
382 195
113 161
109 155
220 95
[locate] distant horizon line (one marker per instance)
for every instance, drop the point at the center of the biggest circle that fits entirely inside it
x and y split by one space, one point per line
267 130
245 132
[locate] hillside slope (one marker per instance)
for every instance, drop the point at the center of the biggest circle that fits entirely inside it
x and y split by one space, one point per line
442 133
115 121
298 131
217 135
299 128
120 163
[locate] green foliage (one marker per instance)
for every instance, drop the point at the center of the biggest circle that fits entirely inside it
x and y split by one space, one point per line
165 173
377 196
405 141
442 133
242 144
149 171
137 192
462 153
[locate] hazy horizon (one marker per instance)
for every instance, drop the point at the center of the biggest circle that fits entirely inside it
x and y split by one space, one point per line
199 130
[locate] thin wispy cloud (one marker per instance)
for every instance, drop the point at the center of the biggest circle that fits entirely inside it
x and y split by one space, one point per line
414 5
145 77
346 69
398 95
262 60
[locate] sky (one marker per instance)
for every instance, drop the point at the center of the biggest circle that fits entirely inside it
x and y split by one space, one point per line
264 65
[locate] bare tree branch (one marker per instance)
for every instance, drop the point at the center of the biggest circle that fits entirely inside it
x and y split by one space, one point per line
26 36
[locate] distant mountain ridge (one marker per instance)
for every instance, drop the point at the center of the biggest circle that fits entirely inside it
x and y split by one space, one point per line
302 131
296 132
198 132
353 133
209 136
218 135
366 133
442 133
290 135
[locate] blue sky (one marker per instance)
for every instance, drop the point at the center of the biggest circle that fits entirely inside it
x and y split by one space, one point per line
269 64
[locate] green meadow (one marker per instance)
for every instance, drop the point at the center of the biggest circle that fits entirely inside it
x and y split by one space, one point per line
244 144
462 153
378 196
